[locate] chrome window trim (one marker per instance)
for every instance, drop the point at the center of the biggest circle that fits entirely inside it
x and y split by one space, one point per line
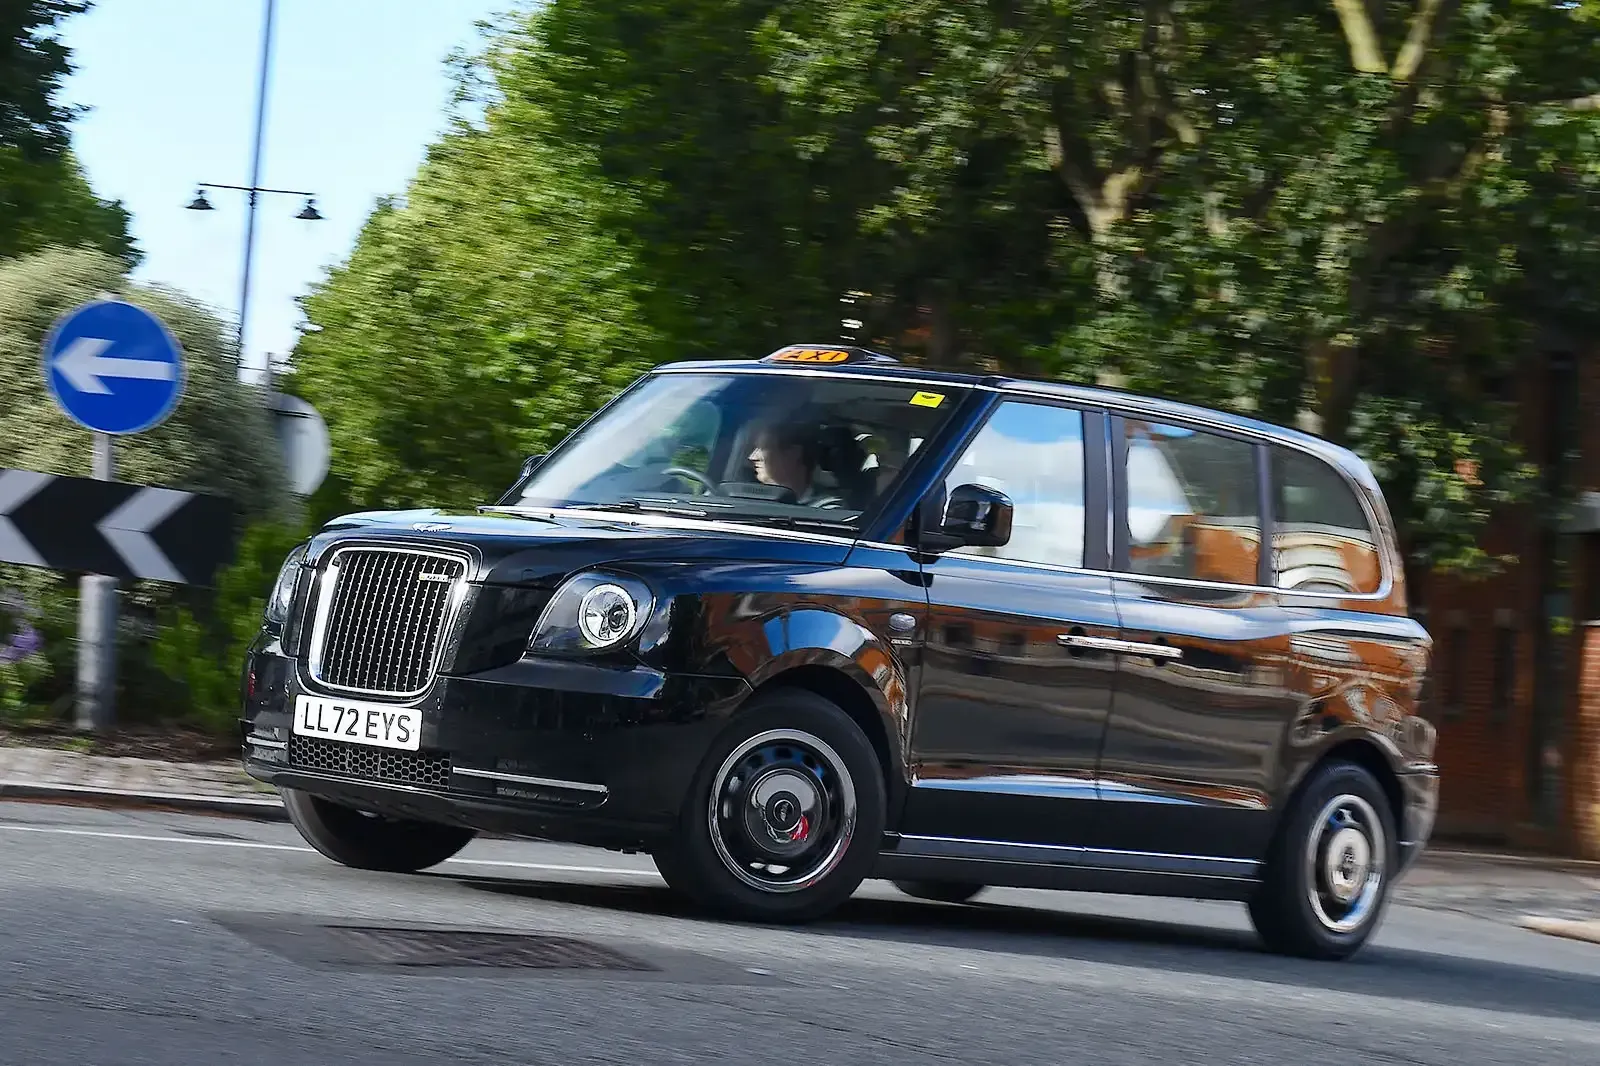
1384 585
327 580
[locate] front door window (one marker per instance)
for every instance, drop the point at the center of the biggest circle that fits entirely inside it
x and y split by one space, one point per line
1033 453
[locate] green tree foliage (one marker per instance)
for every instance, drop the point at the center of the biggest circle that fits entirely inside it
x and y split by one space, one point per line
33 63
744 239
201 647
218 440
1360 208
49 203
44 198
477 321
1364 210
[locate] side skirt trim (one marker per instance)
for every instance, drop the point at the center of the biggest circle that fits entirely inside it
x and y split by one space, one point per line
1070 855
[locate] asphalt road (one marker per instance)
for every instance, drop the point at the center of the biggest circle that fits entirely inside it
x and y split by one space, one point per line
136 937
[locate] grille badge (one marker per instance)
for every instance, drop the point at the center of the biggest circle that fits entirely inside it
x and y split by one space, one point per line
445 578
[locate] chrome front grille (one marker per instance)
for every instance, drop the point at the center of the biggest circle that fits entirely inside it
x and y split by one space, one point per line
381 619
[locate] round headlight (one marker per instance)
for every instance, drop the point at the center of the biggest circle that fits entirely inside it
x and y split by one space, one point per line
592 612
606 615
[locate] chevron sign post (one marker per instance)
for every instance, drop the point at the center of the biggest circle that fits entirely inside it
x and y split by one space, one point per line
115 369
129 532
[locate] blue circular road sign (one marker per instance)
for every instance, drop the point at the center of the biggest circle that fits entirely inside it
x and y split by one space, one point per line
113 367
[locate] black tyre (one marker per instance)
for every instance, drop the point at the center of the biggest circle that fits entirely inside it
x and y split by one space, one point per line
785 815
370 842
939 891
1329 869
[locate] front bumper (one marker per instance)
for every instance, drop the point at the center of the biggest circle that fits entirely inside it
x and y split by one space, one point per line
565 750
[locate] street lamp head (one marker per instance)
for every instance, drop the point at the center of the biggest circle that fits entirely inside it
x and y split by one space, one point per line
309 212
200 203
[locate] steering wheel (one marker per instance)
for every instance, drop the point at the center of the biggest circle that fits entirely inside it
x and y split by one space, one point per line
691 475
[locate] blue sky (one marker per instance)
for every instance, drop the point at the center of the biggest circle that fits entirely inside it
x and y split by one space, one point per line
358 90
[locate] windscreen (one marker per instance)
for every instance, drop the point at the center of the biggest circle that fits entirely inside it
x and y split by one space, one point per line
796 449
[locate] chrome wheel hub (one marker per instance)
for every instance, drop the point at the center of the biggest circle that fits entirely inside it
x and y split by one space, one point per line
782 808
1344 864
782 811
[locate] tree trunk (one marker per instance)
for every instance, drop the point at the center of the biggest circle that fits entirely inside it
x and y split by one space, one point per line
1335 362
944 340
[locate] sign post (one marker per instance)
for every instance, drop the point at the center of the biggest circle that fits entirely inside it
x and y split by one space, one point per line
114 369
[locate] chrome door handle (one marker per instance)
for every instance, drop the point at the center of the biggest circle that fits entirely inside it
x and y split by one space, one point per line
1155 651
1119 647
1079 640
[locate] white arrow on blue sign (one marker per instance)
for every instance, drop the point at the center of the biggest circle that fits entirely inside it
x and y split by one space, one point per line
113 367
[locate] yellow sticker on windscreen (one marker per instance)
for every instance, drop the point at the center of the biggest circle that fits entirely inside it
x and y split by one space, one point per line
928 399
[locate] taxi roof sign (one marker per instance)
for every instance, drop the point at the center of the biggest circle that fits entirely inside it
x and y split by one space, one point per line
825 355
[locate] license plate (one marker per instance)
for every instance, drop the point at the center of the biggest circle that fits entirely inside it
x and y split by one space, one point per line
377 724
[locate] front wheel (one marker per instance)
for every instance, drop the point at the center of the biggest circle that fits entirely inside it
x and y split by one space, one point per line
1328 871
785 816
371 842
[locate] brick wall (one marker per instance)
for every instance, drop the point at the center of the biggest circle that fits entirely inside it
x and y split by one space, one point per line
1588 375
1491 758
1583 792
1480 692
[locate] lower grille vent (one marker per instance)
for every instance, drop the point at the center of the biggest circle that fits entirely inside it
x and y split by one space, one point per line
421 768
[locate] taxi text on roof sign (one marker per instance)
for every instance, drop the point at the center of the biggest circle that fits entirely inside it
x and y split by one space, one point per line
798 354
820 355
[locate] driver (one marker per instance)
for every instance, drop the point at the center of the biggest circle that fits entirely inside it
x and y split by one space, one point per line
785 455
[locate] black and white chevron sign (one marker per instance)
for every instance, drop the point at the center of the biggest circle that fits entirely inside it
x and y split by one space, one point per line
130 532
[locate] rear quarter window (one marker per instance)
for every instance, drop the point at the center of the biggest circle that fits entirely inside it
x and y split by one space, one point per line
1321 539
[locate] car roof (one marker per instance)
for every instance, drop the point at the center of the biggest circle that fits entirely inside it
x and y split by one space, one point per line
868 364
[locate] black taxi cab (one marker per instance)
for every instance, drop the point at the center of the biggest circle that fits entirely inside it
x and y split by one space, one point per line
793 622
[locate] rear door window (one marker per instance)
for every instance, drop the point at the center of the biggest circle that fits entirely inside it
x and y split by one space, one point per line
1192 509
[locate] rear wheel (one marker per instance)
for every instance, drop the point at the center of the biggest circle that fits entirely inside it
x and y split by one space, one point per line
939 891
785 815
368 841
1328 871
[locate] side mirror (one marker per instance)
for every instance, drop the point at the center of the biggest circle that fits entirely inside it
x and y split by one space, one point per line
974 516
979 515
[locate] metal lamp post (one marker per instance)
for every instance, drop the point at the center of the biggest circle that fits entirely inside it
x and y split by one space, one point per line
309 212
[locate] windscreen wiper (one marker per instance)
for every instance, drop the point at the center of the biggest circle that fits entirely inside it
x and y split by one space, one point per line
831 525
511 510
647 503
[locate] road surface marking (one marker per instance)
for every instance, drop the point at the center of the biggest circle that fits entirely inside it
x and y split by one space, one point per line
616 871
